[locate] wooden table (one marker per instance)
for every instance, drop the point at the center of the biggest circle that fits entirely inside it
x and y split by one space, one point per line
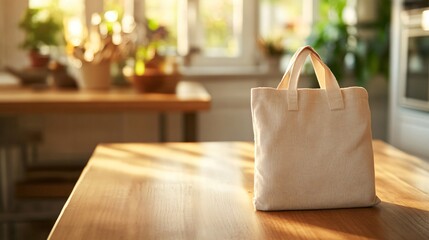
191 98
205 190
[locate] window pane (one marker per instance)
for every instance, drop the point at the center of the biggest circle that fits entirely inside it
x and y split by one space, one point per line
286 19
72 7
221 27
39 3
114 5
164 13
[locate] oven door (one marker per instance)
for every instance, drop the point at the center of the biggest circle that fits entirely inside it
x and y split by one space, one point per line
415 69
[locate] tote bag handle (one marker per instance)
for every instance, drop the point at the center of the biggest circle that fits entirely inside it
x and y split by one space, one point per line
284 83
326 79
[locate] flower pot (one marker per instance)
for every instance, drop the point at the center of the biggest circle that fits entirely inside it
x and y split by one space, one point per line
274 64
95 76
38 60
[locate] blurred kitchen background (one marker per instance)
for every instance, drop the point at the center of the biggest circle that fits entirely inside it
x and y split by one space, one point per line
229 46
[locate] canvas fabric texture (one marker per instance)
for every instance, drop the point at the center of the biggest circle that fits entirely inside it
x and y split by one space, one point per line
313 147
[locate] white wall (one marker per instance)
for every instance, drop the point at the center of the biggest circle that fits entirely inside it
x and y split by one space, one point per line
408 129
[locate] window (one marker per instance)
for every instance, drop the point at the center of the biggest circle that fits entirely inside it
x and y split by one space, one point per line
165 13
221 27
210 31
288 20
221 32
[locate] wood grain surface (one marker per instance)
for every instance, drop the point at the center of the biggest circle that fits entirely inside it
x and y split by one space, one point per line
205 190
190 96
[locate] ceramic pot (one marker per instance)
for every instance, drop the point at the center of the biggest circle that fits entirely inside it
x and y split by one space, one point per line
95 76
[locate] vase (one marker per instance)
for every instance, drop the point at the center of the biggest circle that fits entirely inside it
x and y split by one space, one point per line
95 76
273 64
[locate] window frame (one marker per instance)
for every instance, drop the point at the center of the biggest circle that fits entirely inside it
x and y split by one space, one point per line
2 29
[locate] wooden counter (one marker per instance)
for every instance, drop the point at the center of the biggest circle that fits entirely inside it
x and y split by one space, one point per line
205 190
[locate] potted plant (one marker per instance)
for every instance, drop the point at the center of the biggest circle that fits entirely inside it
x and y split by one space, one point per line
273 49
154 70
367 43
42 28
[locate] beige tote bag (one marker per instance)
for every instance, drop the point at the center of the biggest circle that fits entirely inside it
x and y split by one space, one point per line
313 147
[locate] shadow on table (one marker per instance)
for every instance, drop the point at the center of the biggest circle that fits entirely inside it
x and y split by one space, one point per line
384 221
